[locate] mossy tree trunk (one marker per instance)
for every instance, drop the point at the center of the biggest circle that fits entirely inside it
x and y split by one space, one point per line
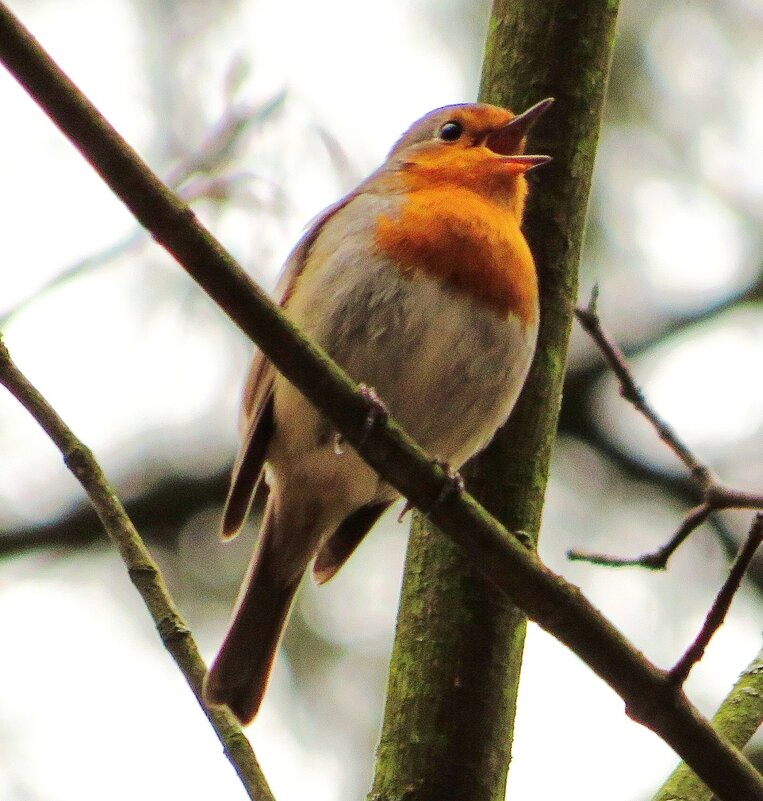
455 665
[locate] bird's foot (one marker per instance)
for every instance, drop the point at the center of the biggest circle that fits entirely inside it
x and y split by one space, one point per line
454 482
377 411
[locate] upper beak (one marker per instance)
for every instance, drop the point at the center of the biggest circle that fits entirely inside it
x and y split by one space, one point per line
508 141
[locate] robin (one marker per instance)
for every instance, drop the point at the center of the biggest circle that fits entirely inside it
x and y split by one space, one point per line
421 285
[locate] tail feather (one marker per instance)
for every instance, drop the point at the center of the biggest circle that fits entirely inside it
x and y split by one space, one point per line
239 675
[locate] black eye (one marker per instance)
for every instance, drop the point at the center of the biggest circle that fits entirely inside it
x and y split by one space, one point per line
451 131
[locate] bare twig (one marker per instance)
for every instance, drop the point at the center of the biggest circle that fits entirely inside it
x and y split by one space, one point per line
590 321
715 617
237 121
561 609
179 496
141 568
654 560
714 494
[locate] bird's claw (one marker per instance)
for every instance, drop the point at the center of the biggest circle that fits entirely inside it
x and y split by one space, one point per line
454 482
377 411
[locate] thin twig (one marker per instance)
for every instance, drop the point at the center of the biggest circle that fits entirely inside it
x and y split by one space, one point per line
654 560
715 617
714 494
142 570
554 604
629 389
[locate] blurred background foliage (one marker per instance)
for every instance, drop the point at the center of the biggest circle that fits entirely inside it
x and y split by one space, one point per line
261 113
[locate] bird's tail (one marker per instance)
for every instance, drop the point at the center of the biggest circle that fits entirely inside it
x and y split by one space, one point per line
240 672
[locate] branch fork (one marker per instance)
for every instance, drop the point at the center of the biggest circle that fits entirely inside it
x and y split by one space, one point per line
714 493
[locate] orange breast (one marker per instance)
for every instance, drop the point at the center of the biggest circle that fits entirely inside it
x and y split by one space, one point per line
473 245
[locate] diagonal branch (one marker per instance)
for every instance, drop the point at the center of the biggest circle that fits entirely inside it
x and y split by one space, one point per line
650 697
141 568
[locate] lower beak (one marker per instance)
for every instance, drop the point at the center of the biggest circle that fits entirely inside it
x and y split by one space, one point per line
509 140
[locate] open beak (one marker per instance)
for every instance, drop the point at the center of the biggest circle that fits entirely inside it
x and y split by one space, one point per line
509 140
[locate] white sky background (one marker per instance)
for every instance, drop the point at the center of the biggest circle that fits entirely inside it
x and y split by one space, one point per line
142 369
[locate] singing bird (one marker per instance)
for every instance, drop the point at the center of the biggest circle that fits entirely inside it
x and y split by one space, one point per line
421 285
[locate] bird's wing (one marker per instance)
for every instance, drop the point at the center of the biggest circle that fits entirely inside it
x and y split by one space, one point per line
257 423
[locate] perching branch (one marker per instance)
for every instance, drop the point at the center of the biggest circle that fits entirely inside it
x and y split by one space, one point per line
142 570
715 495
650 697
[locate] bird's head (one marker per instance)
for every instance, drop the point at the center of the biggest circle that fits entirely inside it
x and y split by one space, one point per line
475 145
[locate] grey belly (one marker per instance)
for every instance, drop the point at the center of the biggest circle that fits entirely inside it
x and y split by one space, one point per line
448 368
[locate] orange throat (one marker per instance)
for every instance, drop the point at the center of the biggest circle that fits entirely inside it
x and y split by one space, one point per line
473 245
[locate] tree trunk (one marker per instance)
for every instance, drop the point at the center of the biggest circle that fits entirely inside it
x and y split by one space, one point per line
454 673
